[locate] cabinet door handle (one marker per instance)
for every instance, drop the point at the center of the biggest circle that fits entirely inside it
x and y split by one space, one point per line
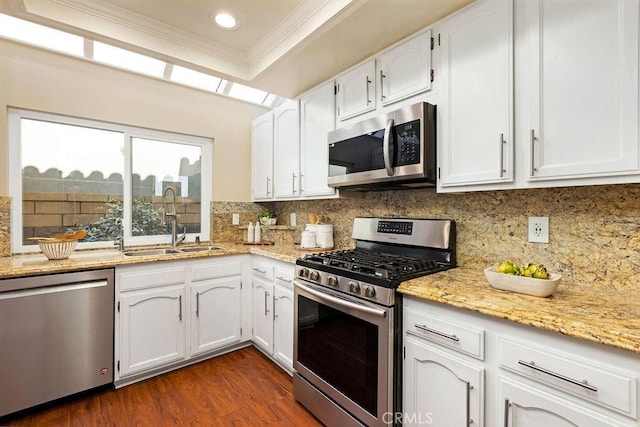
532 149
274 307
266 298
197 304
506 412
469 387
293 183
301 188
268 179
583 383
180 307
433 331
502 142
368 82
382 76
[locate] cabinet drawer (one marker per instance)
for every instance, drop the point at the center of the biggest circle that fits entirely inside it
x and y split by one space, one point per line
216 270
587 379
261 269
284 278
151 278
462 338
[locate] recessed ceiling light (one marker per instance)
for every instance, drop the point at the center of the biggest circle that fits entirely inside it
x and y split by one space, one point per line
224 20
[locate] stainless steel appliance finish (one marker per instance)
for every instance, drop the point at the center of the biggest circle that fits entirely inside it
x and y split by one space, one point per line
393 151
56 336
348 317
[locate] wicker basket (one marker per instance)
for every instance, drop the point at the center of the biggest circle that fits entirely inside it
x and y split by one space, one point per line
57 249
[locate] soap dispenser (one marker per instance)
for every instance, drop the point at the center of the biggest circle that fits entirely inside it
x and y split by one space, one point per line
250 232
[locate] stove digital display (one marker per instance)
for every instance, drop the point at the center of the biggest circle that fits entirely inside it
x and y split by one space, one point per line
395 227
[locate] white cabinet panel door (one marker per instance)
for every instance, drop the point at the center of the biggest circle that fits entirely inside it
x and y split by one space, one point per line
356 91
263 314
283 326
475 140
262 146
286 146
583 69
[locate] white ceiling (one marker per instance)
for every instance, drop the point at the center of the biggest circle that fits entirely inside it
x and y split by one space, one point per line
281 46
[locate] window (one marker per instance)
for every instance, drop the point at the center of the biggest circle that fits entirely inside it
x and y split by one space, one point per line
126 59
110 180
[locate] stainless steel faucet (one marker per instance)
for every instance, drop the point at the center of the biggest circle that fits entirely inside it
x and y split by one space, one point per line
175 239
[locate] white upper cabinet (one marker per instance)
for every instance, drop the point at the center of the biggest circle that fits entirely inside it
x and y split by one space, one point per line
262 146
405 70
317 119
579 68
286 143
475 99
356 91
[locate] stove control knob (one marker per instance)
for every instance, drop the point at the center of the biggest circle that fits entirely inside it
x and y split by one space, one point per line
369 291
304 272
332 281
314 275
354 288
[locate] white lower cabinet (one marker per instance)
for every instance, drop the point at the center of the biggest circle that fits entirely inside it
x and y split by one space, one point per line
262 325
522 376
440 388
283 321
168 313
215 314
152 328
272 298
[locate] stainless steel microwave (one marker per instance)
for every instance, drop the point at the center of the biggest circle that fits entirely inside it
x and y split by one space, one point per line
393 151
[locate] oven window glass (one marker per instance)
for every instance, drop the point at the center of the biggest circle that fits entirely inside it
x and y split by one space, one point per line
340 349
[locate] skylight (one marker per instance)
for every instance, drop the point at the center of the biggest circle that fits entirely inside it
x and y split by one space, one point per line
49 38
194 78
126 59
40 35
247 93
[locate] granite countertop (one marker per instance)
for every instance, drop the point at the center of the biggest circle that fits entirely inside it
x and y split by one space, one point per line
592 313
34 264
597 314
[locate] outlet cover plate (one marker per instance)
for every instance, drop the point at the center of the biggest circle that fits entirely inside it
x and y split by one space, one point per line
235 219
539 229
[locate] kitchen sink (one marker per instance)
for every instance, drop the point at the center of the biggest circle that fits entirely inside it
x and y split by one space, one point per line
151 252
200 248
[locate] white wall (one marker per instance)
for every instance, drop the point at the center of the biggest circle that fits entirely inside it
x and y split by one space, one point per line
36 79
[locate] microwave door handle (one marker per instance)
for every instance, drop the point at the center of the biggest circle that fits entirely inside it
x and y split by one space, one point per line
385 148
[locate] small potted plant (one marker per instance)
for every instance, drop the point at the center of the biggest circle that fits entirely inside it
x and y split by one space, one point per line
267 217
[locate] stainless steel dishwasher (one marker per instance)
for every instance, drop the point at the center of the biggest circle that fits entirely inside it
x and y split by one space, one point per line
56 336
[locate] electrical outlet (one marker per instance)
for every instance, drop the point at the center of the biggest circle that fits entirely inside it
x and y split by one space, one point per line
294 219
539 229
235 219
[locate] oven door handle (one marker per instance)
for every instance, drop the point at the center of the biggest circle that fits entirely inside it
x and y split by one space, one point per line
343 303
386 153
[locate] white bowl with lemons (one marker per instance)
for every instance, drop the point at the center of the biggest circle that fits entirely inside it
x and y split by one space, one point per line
522 284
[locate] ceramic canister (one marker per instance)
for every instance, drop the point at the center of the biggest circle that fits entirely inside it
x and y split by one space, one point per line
308 239
324 236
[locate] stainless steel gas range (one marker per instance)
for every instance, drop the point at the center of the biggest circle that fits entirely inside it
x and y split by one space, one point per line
348 317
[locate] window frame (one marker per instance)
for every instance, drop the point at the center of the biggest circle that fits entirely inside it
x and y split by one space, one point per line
15 115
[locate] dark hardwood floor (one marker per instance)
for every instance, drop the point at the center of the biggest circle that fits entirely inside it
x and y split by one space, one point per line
242 388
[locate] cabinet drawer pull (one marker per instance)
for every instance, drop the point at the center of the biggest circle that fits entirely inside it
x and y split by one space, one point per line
283 279
259 271
433 331
583 383
180 307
